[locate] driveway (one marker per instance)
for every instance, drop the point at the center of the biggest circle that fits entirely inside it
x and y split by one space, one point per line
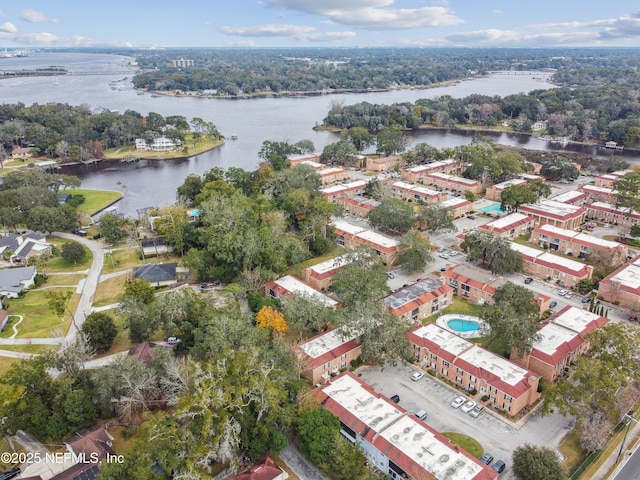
300 465
89 288
495 436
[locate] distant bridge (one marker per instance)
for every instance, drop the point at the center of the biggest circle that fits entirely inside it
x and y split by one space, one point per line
516 72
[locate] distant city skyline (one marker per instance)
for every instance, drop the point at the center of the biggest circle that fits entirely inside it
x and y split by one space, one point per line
338 23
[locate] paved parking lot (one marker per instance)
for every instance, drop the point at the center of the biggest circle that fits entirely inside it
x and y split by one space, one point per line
495 436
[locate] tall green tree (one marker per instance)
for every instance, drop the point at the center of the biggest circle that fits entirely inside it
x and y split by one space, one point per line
100 330
492 251
73 252
414 251
364 279
361 138
531 462
393 215
513 318
390 140
112 227
437 218
515 195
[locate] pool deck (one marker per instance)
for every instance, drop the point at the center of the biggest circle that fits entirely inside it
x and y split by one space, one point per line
442 322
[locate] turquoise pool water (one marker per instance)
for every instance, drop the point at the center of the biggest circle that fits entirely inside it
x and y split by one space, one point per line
459 325
494 207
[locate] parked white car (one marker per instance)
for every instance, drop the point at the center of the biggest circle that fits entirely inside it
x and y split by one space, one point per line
453 253
417 376
477 410
468 406
443 255
458 402
562 293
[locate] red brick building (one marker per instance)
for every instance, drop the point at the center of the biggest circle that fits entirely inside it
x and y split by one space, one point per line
319 276
326 354
417 174
459 206
419 300
445 181
510 226
622 286
561 341
509 386
494 191
333 192
555 213
357 205
415 193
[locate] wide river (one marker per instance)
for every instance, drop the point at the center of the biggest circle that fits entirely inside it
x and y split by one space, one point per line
154 183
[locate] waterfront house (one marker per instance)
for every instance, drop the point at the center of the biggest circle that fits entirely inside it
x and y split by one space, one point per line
21 153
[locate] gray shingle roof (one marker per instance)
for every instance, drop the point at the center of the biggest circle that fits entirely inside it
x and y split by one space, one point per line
156 272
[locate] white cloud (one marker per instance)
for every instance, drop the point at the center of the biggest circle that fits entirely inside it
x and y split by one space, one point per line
497 12
242 44
396 19
371 14
272 30
298 32
33 16
601 31
8 27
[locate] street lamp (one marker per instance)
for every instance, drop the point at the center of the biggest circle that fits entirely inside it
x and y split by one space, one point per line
630 418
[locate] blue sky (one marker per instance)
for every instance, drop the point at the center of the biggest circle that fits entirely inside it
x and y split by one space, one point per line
283 23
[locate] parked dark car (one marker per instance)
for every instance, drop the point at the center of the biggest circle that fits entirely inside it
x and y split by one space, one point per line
471 217
486 458
14 472
81 233
499 466
586 300
395 398
528 280
553 304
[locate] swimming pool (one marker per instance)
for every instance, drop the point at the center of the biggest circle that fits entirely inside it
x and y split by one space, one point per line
463 326
493 208
466 326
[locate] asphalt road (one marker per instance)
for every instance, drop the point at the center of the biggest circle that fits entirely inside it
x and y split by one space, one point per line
90 286
495 436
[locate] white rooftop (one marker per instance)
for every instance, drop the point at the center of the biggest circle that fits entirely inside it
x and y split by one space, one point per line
551 336
347 227
454 202
509 220
526 250
451 342
529 176
304 155
501 367
312 164
568 196
297 287
510 183
331 171
629 276
325 343
432 166
329 265
377 413
334 189
575 319
583 237
562 261
377 239
421 445
554 208
598 189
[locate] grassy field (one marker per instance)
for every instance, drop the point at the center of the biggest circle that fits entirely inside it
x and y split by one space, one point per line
109 291
59 264
63 280
95 200
5 365
471 445
38 320
30 348
458 306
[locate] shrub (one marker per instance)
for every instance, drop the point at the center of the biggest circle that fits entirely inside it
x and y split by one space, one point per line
473 392
484 398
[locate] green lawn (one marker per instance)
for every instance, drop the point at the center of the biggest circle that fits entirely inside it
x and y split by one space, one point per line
296 270
63 280
5 365
59 264
38 320
471 445
192 148
34 348
458 306
109 291
95 200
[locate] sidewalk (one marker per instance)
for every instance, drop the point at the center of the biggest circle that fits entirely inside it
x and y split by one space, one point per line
609 469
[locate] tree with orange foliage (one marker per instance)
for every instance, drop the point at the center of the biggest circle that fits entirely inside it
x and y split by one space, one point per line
269 317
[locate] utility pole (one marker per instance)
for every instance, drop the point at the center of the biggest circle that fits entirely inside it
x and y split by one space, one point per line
629 420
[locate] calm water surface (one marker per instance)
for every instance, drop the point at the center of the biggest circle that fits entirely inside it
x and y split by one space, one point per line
148 183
